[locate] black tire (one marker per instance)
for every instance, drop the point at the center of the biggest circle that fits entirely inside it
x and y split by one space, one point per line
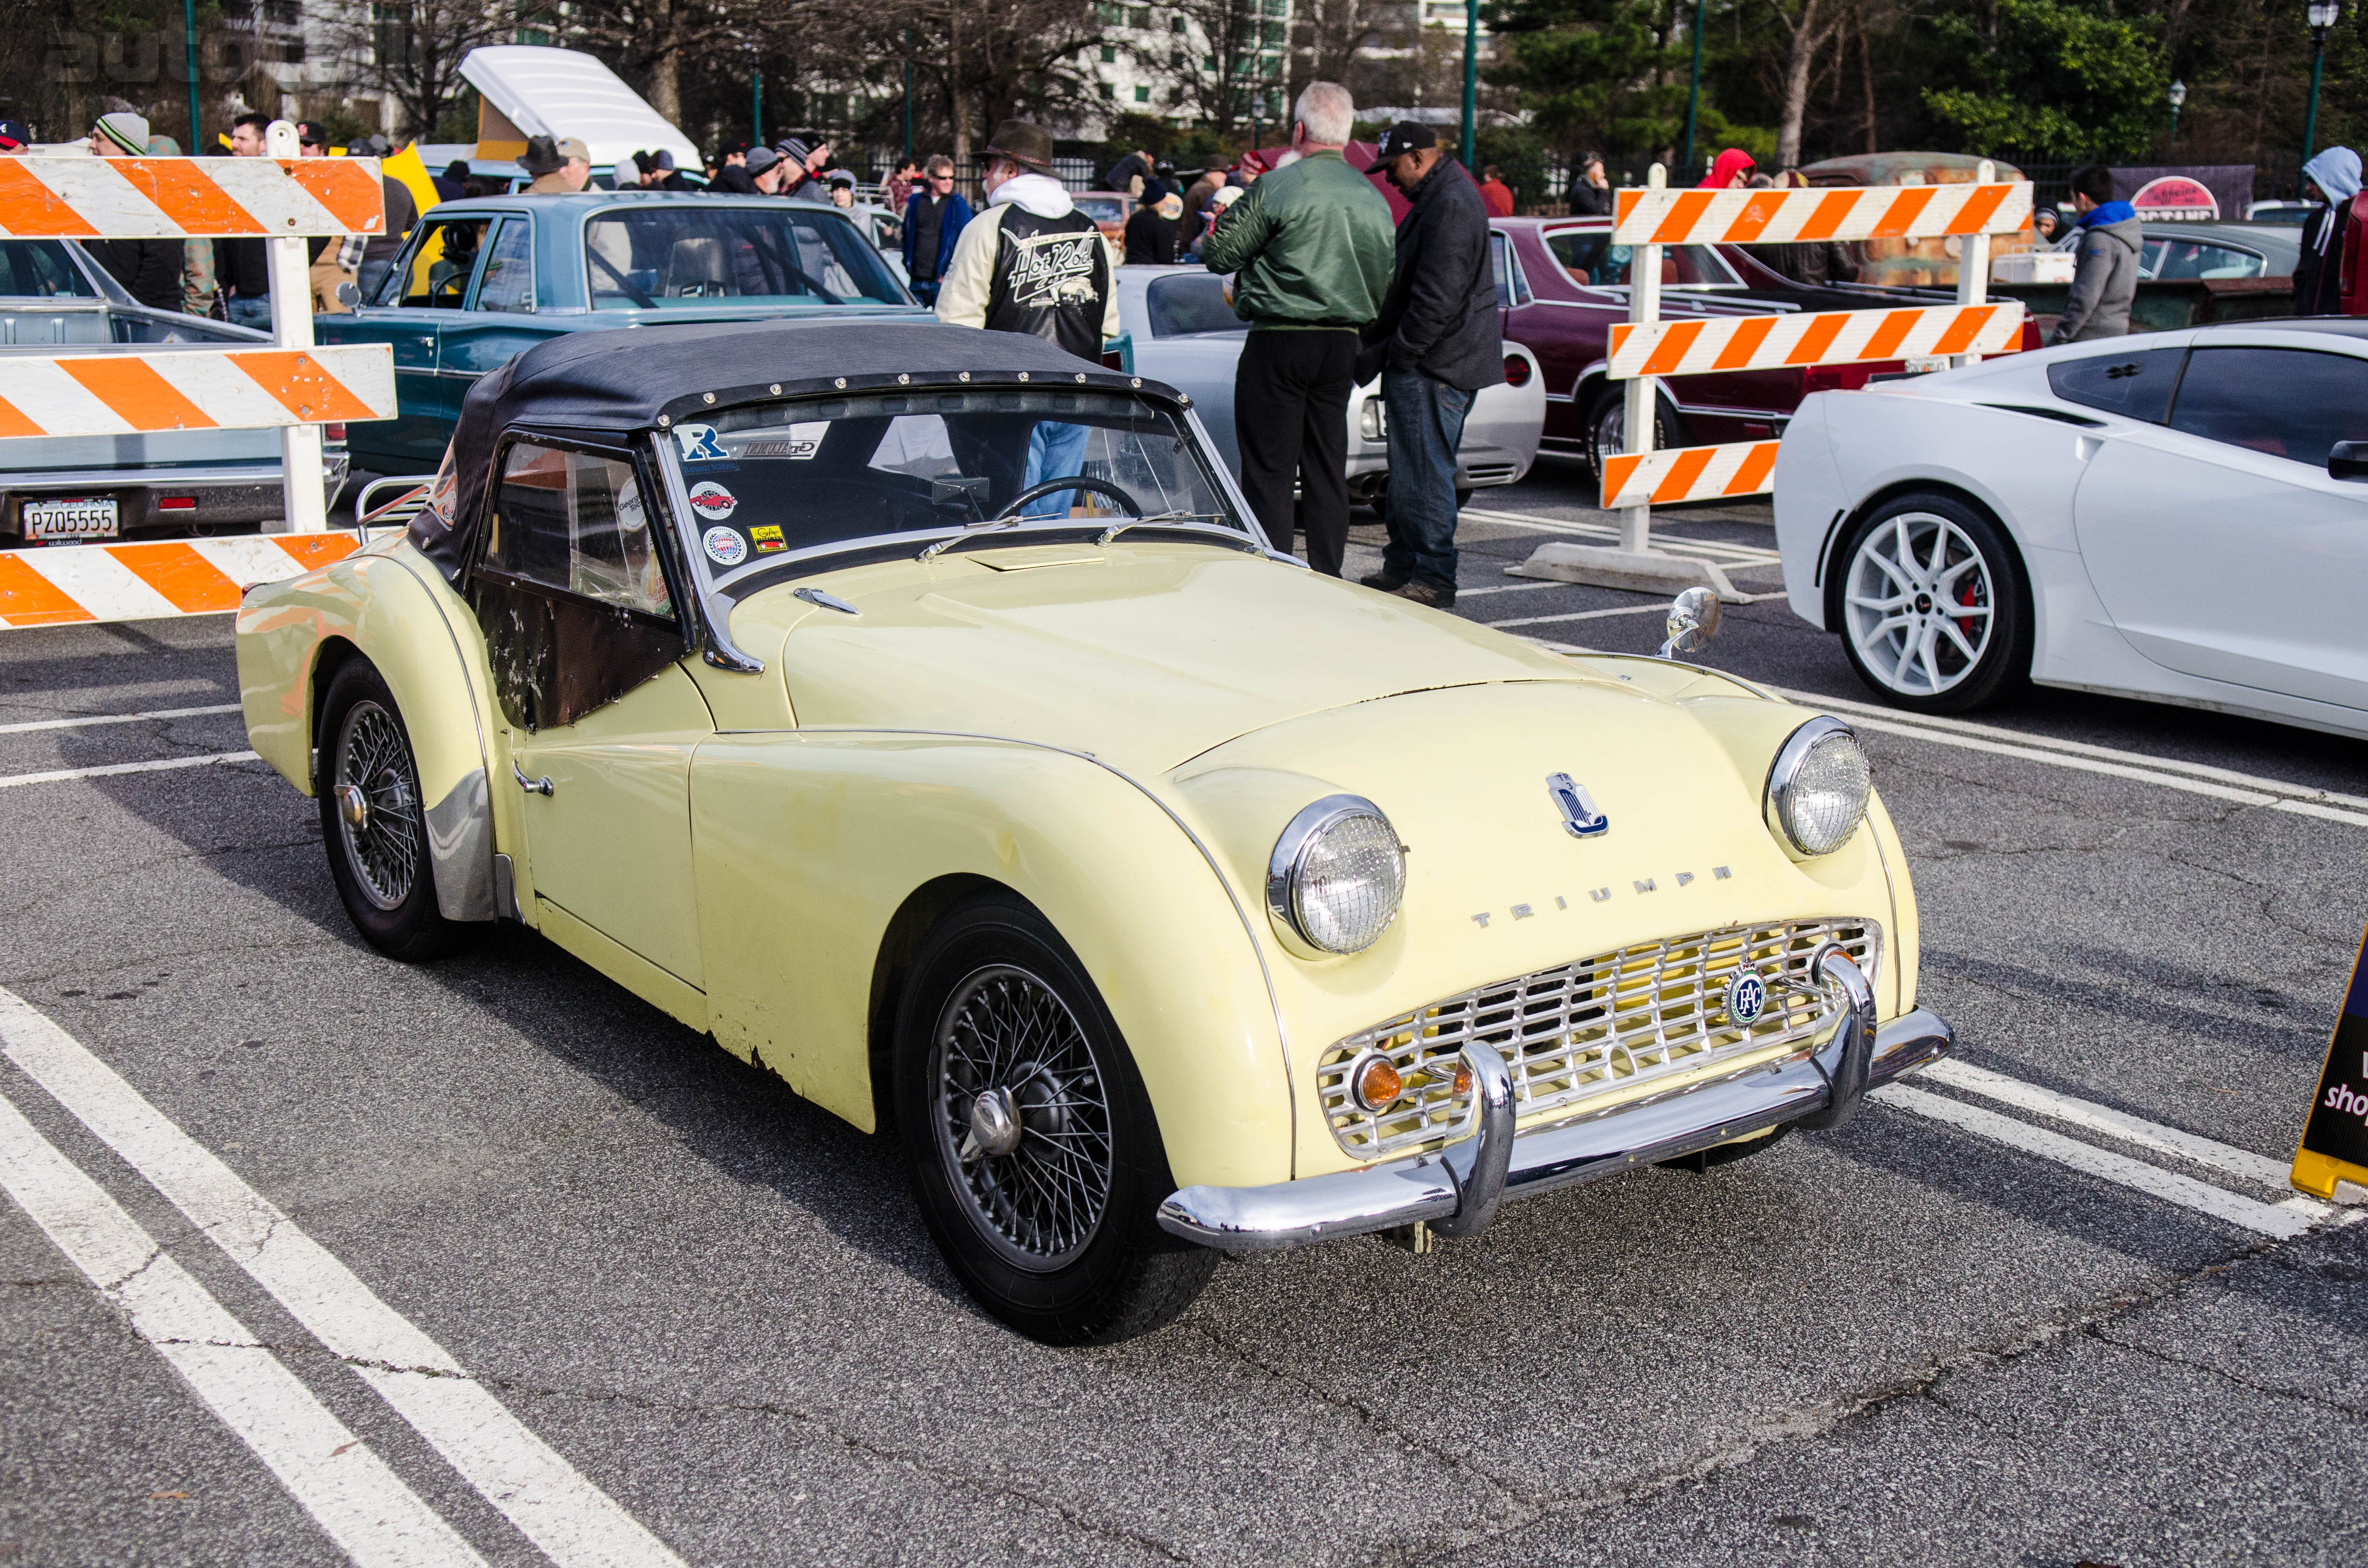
1606 421
1702 1162
379 855
1054 1233
1916 653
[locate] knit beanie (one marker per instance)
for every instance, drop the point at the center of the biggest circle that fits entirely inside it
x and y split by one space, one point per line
127 130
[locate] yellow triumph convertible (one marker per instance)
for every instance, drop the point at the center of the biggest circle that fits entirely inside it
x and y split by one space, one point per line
918 712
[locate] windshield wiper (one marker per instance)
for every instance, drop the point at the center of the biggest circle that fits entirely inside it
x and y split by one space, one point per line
989 526
1115 530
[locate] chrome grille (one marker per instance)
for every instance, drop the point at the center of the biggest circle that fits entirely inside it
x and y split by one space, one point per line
1603 1023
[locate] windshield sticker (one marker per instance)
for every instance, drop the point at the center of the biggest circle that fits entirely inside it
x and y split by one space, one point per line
699 444
768 539
712 502
724 547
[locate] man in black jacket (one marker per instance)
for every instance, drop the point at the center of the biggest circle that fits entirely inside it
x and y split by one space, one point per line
1436 343
150 270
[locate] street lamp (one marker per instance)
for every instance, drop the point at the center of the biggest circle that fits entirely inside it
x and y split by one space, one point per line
2178 97
2322 15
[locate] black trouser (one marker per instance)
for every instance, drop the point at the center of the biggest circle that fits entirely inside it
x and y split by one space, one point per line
1290 415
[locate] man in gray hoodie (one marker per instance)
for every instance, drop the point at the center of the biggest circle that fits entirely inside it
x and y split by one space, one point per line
2105 278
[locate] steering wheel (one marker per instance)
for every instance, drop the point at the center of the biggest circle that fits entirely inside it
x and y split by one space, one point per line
1054 486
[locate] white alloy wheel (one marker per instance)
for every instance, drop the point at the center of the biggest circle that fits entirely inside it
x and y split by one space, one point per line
1920 604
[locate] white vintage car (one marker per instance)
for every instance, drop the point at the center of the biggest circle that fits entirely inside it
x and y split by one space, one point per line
1163 895
1186 334
2180 516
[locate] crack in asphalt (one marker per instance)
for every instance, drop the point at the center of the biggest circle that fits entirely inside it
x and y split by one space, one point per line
2273 1390
1829 1416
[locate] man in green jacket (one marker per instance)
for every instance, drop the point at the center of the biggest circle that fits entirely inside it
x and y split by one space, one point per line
1310 247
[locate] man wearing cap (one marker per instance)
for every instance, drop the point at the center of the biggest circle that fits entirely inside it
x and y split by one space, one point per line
16 137
1437 341
560 167
764 169
732 176
1032 263
799 163
935 216
1150 228
150 270
1309 248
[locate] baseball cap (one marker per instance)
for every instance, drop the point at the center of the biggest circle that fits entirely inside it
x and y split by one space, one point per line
15 135
311 133
1406 136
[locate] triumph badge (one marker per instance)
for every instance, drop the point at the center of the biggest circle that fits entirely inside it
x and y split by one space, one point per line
1580 817
1746 998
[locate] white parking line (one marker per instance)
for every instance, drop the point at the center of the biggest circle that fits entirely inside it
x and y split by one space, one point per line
2267 1218
2113 1123
359 1503
1726 555
162 765
574 1522
76 724
2250 781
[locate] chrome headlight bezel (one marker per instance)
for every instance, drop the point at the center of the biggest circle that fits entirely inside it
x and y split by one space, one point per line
1779 802
1288 859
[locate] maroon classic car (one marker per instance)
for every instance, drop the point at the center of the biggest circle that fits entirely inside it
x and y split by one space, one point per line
1564 284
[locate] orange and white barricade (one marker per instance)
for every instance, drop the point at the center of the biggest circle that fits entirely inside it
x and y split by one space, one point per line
1646 347
291 385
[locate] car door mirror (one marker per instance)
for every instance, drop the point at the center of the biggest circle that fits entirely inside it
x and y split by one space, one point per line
2348 459
1694 620
350 295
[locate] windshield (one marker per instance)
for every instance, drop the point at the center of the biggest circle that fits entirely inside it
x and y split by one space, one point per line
1590 258
795 478
701 252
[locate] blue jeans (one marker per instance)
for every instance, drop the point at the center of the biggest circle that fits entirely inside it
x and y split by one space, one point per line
256 313
1055 451
1425 425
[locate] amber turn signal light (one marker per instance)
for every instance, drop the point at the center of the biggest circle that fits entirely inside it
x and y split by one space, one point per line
1463 1081
1377 1084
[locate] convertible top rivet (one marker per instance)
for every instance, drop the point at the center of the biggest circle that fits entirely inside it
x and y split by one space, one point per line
965 375
841 382
707 397
663 421
903 380
1137 382
777 389
1081 375
1023 375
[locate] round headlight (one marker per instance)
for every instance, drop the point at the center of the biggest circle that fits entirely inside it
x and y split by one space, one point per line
1819 786
1336 876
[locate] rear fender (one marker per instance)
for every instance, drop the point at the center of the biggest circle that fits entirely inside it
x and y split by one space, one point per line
380 606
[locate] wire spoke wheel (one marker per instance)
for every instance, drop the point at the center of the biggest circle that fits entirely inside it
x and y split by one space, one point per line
377 800
1022 1118
1920 605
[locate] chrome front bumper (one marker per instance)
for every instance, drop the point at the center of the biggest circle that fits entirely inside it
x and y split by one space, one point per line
1458 1191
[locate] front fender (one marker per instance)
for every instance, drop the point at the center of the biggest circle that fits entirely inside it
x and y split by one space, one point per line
808 844
292 635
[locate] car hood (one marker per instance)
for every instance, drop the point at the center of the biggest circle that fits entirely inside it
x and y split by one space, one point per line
1143 653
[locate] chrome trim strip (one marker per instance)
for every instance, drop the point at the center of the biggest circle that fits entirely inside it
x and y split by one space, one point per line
1547 1159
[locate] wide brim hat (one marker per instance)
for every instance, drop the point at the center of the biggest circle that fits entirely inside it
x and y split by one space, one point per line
1023 144
541 157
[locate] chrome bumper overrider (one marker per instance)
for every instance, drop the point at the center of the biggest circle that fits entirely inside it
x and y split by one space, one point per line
1456 1191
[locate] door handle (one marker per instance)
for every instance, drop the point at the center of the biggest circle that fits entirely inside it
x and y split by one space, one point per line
531 785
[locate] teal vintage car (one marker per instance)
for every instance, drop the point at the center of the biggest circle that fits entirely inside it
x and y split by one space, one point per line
483 281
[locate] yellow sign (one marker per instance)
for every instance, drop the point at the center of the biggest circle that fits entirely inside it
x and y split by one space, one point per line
2335 1140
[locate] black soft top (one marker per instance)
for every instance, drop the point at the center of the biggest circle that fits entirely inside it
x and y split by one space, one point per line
622 381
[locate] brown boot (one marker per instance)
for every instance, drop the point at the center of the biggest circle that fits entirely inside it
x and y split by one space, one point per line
1384 581
1428 594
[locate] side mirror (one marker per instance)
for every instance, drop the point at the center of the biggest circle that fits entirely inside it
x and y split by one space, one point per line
350 295
2348 459
1694 620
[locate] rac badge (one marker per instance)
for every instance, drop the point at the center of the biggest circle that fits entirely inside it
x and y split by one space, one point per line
1580 817
1746 998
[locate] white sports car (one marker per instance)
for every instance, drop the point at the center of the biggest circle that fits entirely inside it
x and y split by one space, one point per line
2180 516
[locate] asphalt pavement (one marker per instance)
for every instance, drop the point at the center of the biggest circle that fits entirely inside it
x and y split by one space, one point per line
567 1284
